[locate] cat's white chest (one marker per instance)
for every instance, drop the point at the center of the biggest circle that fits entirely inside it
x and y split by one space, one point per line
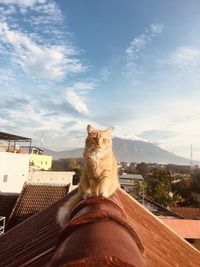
95 156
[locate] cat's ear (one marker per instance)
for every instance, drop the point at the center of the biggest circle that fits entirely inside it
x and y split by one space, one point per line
90 129
109 130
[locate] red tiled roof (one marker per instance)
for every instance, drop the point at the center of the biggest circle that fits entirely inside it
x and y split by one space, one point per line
35 198
31 243
187 212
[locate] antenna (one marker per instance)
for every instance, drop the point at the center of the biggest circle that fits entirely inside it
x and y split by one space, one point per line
191 156
42 141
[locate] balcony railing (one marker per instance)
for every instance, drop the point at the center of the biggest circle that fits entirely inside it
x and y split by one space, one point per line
2 224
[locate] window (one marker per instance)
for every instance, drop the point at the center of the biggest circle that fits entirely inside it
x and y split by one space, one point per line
5 178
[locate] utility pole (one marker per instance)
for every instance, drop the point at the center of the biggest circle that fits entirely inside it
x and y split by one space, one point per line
191 156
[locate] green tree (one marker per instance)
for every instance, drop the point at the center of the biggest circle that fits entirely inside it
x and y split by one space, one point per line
195 185
72 164
183 187
159 188
142 169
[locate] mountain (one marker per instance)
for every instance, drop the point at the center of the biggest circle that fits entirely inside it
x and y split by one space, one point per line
74 153
130 151
140 151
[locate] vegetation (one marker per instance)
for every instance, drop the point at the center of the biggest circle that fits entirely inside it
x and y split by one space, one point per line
70 164
159 188
165 184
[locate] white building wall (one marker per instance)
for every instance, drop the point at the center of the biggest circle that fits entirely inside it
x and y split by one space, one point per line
51 177
14 170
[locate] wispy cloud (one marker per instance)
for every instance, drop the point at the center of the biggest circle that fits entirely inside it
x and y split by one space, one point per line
75 95
138 44
157 136
7 76
76 102
39 61
105 74
23 3
185 56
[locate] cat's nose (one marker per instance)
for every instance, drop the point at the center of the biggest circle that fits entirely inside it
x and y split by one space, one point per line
98 142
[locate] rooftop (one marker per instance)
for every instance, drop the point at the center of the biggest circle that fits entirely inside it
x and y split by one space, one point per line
32 242
131 176
12 142
35 198
187 212
13 137
156 209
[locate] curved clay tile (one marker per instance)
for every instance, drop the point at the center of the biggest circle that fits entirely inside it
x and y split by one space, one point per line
98 235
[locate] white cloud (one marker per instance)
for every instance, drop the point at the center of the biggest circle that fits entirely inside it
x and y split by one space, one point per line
185 56
6 76
82 87
40 61
22 3
105 74
130 137
37 12
75 101
75 95
138 44
156 28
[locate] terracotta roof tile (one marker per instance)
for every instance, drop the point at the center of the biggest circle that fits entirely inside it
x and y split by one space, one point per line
31 243
187 212
33 199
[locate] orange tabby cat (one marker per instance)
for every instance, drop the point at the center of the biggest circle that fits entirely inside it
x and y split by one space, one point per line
100 172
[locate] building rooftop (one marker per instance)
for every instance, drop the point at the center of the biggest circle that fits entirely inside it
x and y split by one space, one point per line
187 212
156 208
131 176
13 137
32 242
35 198
12 140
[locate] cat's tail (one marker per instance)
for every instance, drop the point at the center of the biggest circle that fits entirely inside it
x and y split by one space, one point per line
64 212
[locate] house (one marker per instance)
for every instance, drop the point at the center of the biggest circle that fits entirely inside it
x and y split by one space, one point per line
132 183
15 171
51 177
15 160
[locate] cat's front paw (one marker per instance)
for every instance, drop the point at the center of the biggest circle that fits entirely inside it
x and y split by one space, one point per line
87 195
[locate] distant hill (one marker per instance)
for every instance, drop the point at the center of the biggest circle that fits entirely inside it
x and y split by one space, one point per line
74 153
130 151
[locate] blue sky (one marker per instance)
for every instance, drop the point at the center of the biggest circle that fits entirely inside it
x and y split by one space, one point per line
131 64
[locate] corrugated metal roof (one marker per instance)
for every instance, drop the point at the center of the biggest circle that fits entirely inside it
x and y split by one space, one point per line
131 176
13 137
31 243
